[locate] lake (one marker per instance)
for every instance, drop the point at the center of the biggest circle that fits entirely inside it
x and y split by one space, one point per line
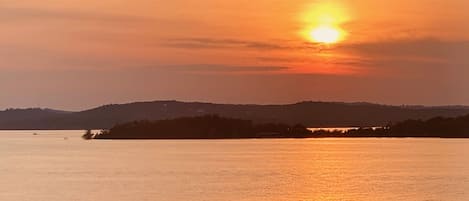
60 166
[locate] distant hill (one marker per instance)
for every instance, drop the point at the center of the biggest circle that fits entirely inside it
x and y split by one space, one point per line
311 114
27 118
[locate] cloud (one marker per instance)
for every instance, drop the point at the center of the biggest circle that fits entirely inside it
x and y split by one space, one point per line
203 43
279 59
418 56
219 43
411 53
213 68
419 48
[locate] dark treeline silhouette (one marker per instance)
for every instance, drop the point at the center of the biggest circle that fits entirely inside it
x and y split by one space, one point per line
216 127
203 127
440 127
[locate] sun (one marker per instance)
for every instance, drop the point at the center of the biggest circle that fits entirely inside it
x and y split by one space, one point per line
324 22
326 34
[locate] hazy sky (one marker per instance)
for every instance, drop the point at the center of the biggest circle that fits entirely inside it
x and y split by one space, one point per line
76 54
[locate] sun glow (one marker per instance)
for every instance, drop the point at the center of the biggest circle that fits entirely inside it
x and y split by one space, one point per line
326 34
323 23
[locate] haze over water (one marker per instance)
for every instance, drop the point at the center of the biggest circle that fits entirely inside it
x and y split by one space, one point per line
59 165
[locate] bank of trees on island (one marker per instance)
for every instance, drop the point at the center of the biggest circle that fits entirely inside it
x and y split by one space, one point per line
203 127
439 127
216 127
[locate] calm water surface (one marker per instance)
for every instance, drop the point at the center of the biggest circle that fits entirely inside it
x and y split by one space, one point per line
59 166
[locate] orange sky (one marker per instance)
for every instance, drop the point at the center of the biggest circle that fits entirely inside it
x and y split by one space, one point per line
243 51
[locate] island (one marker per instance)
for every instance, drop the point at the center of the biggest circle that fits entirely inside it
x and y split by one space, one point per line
202 127
216 127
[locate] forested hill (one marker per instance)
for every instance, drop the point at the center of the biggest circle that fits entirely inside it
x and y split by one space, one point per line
311 114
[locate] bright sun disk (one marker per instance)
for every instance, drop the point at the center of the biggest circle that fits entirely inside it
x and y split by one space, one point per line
326 34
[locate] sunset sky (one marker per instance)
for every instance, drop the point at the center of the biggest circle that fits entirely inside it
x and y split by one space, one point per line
76 54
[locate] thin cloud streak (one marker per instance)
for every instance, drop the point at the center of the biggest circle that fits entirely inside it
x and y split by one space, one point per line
227 68
210 43
429 56
207 43
430 48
